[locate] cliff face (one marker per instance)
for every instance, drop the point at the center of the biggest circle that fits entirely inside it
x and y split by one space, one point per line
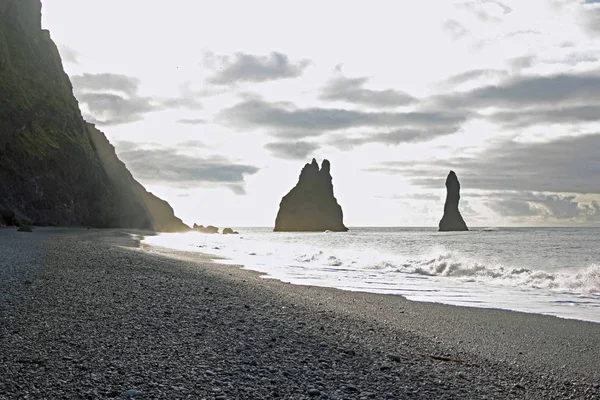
452 220
311 205
52 169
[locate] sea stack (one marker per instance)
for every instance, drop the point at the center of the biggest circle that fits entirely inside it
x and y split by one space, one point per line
311 206
452 220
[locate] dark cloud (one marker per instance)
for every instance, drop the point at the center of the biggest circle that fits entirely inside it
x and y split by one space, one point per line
567 165
192 121
113 99
545 206
169 167
530 91
292 150
253 68
351 90
549 115
285 120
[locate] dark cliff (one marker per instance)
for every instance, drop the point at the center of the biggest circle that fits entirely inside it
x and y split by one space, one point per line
311 205
54 168
452 220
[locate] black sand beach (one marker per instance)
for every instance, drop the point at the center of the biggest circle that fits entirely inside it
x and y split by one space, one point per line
91 314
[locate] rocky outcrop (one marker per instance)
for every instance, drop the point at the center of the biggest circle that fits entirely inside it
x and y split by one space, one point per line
452 220
311 206
229 231
206 229
55 169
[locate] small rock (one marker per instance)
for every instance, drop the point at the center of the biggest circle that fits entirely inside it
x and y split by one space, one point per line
314 392
132 393
352 388
24 228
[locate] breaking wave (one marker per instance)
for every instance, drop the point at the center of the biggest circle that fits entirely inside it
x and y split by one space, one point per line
450 265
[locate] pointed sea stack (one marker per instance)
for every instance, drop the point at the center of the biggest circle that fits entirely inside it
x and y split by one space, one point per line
452 220
311 206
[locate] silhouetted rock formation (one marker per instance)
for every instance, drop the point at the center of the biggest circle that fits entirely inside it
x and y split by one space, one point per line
24 228
206 229
452 220
229 231
311 206
54 168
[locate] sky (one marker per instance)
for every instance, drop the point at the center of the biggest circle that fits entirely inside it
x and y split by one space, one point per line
216 106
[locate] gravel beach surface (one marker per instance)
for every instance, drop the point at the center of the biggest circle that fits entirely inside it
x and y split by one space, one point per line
91 314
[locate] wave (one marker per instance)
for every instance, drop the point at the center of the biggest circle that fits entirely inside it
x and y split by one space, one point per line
451 265
583 280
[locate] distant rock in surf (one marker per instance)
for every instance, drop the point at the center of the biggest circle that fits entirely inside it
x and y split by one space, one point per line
311 206
452 220
229 231
206 229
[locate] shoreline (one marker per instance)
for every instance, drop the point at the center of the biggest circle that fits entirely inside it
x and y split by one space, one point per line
98 315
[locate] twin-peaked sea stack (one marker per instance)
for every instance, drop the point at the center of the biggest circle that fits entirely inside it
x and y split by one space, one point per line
311 206
452 220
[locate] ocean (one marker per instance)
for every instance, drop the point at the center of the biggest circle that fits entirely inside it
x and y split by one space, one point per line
554 271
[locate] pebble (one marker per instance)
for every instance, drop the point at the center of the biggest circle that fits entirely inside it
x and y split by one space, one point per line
132 393
285 347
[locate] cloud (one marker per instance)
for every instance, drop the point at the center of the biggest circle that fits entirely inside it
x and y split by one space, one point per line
544 206
590 17
291 150
548 115
68 55
567 165
475 75
455 29
486 10
523 62
192 121
112 109
286 120
253 68
392 138
351 90
530 91
113 99
103 82
169 167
